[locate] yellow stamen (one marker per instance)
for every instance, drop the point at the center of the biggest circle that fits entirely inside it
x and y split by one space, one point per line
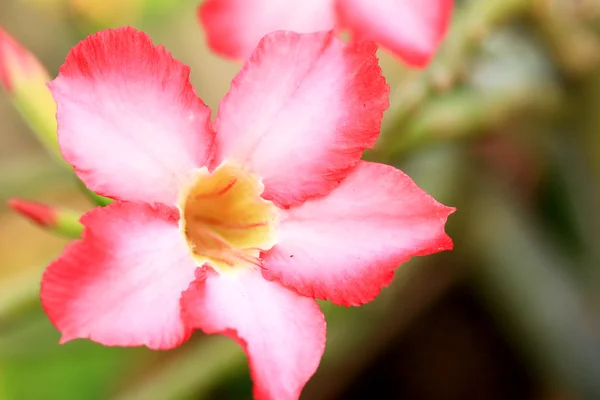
225 220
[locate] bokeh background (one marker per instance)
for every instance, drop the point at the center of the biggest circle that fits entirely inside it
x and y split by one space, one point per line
504 125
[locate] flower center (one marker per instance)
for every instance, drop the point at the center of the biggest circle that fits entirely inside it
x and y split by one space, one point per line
225 221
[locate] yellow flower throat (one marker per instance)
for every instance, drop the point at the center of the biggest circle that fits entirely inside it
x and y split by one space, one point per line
225 221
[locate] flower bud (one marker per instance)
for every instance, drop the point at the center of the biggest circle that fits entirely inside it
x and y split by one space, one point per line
64 223
24 78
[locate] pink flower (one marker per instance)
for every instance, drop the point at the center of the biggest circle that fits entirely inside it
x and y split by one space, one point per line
411 29
234 232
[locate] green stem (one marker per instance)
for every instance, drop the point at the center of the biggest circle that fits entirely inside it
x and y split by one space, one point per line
465 112
471 26
94 197
68 225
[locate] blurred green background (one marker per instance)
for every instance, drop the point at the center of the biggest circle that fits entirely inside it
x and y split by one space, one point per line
504 125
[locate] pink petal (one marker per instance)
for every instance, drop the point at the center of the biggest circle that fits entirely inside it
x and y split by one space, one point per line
129 120
234 27
411 29
301 112
346 246
282 333
121 284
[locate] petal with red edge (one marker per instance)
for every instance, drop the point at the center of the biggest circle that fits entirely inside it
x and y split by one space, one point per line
344 247
121 284
301 112
234 27
282 332
411 29
129 120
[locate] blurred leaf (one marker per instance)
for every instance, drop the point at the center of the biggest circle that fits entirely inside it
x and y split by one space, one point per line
203 364
34 366
521 274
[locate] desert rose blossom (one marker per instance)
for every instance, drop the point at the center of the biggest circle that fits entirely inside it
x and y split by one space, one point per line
233 226
411 29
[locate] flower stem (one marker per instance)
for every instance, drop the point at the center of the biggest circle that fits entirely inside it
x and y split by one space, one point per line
472 24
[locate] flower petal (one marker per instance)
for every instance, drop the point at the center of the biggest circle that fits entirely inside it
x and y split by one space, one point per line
411 29
234 27
129 120
282 332
121 284
344 247
301 112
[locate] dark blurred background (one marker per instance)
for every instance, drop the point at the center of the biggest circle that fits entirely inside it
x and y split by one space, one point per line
504 125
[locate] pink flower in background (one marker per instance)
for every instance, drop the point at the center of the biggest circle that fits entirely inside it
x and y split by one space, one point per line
411 29
234 226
